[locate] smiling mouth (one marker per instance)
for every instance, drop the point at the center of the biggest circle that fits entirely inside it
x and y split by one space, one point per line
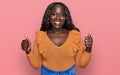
57 23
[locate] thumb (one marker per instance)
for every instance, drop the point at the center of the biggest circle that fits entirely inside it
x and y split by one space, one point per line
26 37
89 34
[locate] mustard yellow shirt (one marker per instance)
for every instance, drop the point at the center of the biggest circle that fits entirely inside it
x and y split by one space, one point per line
55 57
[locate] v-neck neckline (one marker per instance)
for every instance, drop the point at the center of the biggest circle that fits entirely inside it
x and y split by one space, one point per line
66 41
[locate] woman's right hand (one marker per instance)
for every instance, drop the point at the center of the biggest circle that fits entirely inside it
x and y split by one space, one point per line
25 44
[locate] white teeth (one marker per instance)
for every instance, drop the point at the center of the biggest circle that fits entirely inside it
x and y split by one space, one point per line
57 23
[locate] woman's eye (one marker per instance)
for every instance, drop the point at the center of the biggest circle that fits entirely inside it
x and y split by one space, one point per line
53 14
62 14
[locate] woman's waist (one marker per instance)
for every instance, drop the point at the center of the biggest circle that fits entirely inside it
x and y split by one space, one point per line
58 66
45 68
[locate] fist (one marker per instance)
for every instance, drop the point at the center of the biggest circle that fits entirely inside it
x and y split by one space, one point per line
88 40
25 44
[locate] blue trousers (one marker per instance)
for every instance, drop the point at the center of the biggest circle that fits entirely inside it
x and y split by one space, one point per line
46 71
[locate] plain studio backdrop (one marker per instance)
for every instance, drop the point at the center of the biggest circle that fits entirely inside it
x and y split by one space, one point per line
102 17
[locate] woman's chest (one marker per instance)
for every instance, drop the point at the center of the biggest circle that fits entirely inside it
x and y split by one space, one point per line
58 39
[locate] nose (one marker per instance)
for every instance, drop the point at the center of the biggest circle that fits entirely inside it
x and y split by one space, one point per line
58 17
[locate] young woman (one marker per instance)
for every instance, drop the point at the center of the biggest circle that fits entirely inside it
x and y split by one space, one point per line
58 45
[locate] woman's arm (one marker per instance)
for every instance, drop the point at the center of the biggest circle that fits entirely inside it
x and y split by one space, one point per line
84 59
34 57
83 55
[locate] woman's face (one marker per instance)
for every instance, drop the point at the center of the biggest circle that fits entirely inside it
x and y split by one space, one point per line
57 16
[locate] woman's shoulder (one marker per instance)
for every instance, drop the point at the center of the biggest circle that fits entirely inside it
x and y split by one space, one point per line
40 34
75 32
76 35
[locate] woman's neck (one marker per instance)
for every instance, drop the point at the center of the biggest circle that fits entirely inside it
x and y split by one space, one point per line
57 30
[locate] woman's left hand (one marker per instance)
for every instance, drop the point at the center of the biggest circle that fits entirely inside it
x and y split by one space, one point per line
88 42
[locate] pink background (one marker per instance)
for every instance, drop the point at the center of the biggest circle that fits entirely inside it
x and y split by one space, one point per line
102 17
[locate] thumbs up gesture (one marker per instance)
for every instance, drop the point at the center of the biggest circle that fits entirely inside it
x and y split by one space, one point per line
26 44
88 42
